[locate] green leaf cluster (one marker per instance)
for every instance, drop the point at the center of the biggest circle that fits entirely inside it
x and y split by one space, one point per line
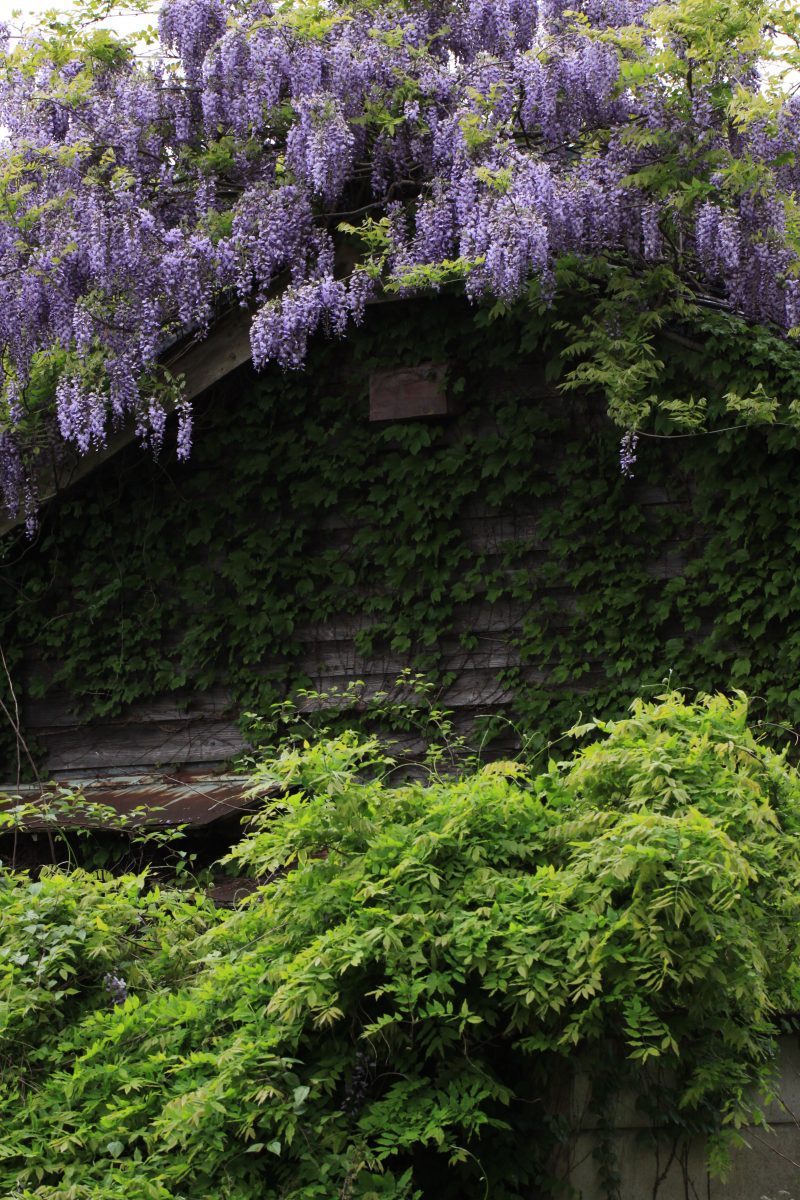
390 1013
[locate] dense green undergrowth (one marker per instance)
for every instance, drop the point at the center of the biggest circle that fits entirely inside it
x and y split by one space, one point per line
395 1011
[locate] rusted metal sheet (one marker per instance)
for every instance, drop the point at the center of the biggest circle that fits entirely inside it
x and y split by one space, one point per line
164 800
408 394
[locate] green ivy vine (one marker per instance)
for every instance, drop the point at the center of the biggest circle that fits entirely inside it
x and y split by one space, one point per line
153 578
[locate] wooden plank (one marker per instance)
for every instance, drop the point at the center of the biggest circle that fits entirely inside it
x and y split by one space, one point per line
206 361
98 747
151 741
342 661
57 709
475 690
477 617
670 564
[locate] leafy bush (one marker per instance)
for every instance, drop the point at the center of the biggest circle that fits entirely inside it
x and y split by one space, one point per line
397 1009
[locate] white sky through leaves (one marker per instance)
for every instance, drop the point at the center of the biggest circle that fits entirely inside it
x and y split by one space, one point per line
29 11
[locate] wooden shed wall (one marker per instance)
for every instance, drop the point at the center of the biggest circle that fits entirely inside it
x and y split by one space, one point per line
482 654
201 728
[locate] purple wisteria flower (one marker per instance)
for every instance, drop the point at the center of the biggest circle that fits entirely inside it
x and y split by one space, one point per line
627 453
500 134
116 987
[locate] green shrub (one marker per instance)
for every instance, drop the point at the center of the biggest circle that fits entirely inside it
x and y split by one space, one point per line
396 1011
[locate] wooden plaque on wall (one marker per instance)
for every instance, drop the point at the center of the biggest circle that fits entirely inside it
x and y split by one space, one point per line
408 393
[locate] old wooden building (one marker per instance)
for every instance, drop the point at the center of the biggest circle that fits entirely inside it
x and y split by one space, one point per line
422 496
422 499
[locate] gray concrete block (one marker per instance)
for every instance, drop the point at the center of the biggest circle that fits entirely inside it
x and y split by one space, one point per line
767 1167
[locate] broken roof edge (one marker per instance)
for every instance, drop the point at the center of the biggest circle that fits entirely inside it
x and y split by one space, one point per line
154 800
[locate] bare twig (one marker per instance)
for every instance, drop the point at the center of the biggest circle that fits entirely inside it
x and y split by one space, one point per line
14 721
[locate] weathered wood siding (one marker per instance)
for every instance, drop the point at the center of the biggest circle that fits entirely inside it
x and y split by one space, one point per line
197 730
484 647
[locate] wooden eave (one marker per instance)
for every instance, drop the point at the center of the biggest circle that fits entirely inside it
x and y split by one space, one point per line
202 362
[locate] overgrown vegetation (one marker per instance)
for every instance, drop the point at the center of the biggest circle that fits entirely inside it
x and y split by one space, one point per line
409 539
387 1015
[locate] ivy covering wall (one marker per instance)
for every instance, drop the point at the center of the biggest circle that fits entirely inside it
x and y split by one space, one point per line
154 578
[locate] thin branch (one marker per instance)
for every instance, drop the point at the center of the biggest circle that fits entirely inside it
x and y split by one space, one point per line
15 723
774 1149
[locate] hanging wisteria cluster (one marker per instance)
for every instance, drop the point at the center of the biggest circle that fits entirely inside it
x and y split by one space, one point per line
476 140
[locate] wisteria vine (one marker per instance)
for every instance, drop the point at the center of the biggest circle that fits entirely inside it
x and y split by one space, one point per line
475 142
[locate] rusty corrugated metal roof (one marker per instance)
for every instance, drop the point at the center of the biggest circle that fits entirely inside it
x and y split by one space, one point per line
193 798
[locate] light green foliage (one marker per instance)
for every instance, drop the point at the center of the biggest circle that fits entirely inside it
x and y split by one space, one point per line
390 1014
79 30
619 345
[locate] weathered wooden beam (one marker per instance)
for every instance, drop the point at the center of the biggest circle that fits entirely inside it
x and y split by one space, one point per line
202 362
